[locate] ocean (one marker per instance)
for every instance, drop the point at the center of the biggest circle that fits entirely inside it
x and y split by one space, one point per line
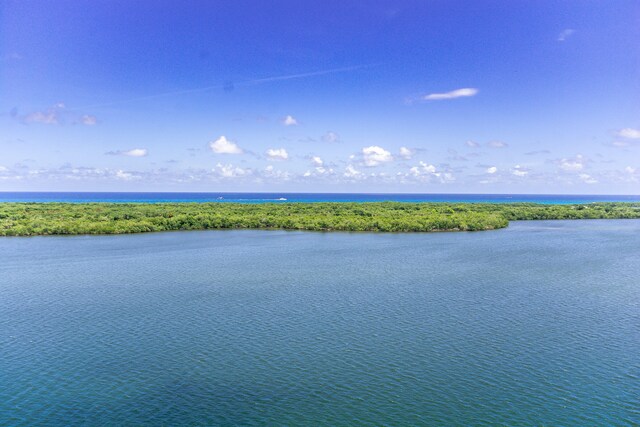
85 197
535 324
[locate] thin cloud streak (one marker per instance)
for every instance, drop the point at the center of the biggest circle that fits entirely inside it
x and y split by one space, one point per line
252 82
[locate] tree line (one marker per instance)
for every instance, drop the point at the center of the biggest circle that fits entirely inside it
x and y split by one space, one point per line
30 219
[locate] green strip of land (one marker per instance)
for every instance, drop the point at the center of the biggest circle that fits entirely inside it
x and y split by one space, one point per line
31 219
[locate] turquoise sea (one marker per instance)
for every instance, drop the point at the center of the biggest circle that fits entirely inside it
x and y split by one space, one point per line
135 197
536 324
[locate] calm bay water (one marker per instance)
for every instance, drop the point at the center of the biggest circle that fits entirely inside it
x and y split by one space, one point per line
536 324
307 197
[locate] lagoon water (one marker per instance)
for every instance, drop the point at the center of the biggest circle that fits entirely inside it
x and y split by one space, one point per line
134 197
536 324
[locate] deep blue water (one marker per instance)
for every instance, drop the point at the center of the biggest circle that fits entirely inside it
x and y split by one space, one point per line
536 324
307 197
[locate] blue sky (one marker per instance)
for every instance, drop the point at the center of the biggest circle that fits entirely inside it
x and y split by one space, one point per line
327 96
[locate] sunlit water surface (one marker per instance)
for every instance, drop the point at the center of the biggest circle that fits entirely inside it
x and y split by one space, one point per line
536 324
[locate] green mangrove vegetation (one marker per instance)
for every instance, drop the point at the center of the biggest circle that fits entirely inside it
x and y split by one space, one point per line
29 219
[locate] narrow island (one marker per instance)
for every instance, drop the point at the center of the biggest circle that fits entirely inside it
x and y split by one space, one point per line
31 219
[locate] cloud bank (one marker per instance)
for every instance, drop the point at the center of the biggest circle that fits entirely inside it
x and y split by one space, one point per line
224 146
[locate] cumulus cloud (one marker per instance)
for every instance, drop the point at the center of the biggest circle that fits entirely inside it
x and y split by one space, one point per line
458 93
331 137
426 172
422 169
319 168
351 172
406 153
629 133
224 146
375 155
565 34
492 170
229 171
277 154
497 144
124 176
575 164
628 169
289 121
134 152
89 120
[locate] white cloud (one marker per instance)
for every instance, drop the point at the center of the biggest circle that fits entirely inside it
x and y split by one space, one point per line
519 171
224 146
319 168
492 170
497 144
351 172
628 169
621 144
472 144
573 165
89 120
272 173
565 34
422 169
125 176
56 115
3 169
289 121
629 133
277 154
375 155
136 152
588 179
458 93
406 153
49 117
229 171
331 137
426 172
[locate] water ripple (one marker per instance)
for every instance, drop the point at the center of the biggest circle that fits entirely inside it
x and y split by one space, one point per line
538 324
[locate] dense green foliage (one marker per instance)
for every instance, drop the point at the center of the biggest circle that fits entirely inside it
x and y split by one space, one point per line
27 219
